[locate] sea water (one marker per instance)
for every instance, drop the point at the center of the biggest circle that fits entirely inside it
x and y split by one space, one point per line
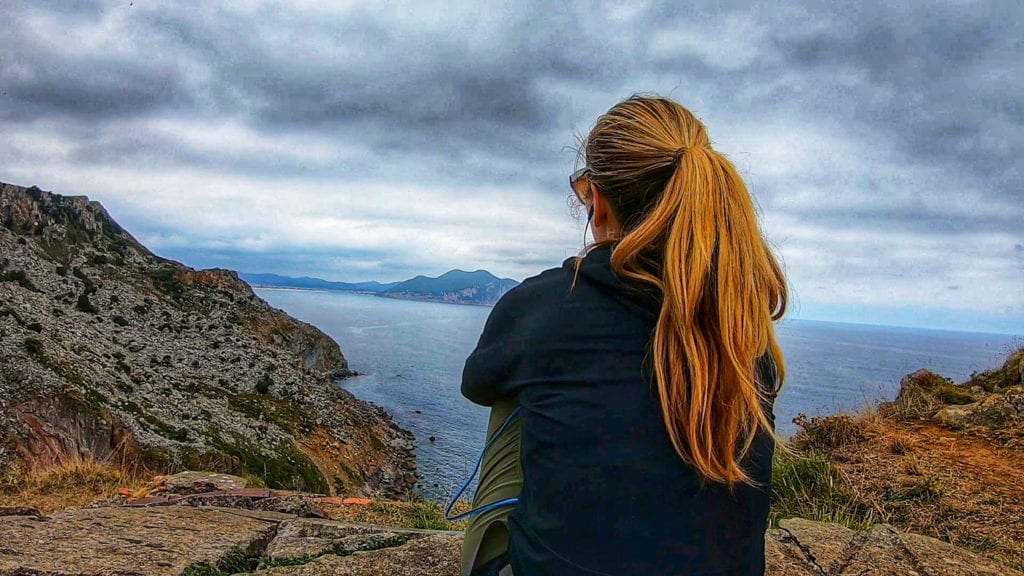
410 357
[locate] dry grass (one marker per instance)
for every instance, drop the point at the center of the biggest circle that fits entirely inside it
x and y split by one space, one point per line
71 483
895 465
810 487
912 403
901 444
412 514
824 434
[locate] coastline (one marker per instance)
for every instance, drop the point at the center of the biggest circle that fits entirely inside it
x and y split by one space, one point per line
370 293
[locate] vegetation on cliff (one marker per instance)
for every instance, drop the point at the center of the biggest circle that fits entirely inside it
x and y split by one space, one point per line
942 459
107 350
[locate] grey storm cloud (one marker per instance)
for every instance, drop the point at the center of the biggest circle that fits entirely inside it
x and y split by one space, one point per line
883 143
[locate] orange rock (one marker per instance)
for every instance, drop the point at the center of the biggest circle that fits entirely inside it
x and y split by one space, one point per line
357 501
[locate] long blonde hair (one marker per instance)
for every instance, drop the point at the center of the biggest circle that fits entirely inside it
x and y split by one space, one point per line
690 230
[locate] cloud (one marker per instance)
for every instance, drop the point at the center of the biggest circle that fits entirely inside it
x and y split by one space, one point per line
353 141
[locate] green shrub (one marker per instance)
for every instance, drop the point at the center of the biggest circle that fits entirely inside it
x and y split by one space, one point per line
808 487
264 384
85 305
34 347
235 561
950 394
20 277
166 279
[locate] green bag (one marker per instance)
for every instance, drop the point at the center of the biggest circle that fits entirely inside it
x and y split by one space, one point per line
501 477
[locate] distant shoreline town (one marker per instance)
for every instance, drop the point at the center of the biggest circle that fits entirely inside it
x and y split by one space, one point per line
477 288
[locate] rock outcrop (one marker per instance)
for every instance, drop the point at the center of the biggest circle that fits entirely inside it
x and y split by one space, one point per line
106 347
990 403
173 540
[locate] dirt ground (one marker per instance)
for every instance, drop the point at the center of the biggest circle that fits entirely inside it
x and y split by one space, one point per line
960 486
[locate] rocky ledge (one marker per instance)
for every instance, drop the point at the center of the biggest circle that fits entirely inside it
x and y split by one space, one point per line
195 539
107 349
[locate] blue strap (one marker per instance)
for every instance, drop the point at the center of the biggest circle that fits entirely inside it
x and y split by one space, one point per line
493 505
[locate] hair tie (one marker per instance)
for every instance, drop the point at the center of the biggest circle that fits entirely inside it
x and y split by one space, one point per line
679 154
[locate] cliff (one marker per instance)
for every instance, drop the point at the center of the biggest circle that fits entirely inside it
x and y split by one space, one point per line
106 348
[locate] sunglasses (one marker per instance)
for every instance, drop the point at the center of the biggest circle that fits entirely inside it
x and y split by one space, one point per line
579 181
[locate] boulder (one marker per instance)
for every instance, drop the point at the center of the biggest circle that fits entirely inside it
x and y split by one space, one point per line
955 415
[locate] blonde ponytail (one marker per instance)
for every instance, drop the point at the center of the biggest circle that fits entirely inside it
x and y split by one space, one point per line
691 231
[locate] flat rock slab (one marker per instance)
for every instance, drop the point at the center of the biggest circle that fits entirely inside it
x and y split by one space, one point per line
165 540
122 541
435 555
798 548
805 548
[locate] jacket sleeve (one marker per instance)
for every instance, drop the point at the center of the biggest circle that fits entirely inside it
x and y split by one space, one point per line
493 368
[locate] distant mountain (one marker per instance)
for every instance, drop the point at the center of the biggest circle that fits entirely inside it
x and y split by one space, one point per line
278 281
454 287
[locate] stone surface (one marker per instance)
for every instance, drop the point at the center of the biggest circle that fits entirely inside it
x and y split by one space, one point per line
823 545
1004 408
168 539
804 548
108 348
298 538
435 555
879 552
150 541
935 557
955 414
197 482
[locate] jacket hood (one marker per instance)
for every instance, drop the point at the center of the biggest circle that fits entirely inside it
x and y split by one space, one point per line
597 270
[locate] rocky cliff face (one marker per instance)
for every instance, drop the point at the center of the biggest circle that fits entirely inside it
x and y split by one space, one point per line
106 347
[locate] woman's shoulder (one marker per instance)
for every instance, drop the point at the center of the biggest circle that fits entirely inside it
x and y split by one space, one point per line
549 284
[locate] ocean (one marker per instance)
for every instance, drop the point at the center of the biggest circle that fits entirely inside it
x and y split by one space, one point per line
410 357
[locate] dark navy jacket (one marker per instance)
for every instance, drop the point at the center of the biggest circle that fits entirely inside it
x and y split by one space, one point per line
604 492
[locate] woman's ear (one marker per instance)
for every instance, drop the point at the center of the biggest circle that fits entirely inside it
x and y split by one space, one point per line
599 207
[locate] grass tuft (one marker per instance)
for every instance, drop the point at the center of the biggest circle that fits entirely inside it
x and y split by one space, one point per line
824 434
927 488
809 487
901 444
72 482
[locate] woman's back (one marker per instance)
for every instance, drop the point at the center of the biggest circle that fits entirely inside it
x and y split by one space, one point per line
604 490
645 374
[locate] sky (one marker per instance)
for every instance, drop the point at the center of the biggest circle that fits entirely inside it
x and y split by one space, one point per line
359 141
